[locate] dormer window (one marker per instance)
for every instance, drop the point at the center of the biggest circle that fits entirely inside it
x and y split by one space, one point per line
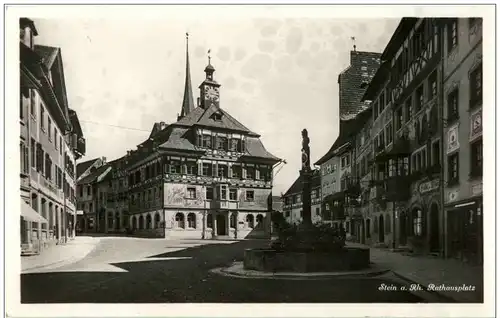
217 116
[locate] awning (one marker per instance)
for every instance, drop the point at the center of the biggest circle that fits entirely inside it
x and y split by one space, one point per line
29 214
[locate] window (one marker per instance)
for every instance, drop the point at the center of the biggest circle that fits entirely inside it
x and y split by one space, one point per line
192 169
209 193
453 105
345 161
452 34
419 100
417 222
191 220
222 171
388 133
49 127
191 192
433 85
233 194
222 143
476 160
399 118
39 158
408 109
250 173
33 103
234 145
89 189
436 153
375 110
24 158
223 192
476 85
236 171
60 146
42 117
249 195
206 169
33 153
179 220
206 141
260 221
453 168
175 167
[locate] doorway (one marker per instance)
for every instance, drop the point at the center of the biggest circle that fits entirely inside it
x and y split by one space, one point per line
381 233
221 224
434 235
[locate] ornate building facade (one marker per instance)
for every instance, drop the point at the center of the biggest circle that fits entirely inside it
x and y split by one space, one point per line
205 175
51 141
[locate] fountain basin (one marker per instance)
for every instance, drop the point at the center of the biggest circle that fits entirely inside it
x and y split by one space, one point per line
271 260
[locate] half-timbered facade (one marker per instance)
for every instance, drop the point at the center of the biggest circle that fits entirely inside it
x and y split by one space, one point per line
205 175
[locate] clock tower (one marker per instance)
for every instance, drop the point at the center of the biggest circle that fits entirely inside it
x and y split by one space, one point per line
209 89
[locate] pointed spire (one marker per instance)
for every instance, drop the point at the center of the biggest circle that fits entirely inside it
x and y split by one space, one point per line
187 102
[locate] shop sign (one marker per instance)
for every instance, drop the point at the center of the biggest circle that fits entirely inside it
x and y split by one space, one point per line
428 186
476 124
452 139
452 196
477 189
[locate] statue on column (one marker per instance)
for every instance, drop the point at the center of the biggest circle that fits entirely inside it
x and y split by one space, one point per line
306 164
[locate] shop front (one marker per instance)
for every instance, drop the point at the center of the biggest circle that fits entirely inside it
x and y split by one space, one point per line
30 227
465 230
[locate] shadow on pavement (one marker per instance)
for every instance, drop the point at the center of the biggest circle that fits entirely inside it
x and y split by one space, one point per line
189 280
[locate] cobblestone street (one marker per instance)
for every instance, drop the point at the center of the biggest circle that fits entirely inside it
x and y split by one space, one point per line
129 270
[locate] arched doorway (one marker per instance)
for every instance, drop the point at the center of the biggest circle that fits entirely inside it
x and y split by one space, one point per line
381 232
403 221
434 235
221 224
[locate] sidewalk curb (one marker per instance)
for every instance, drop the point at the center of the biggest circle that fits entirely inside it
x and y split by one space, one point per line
445 298
300 276
60 263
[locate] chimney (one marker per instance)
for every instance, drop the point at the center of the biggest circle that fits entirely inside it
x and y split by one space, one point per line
103 159
162 125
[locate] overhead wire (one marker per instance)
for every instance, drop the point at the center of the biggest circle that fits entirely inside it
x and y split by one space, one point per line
115 126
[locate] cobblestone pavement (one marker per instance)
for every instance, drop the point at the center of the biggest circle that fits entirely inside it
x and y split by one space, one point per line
127 270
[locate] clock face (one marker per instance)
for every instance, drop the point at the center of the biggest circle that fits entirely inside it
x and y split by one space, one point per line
212 93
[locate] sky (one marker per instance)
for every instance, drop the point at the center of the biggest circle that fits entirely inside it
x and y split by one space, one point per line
278 76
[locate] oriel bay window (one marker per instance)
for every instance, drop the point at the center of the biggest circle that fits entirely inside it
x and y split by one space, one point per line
209 193
222 143
233 194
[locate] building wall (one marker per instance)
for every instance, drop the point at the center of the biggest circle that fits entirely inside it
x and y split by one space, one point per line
330 176
293 211
463 199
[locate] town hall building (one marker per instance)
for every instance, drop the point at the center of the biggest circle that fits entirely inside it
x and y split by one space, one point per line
204 176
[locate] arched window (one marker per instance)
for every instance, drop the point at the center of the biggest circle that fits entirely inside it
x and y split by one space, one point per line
375 226
191 221
157 220
249 220
179 220
260 221
388 224
210 221
232 221
141 222
148 221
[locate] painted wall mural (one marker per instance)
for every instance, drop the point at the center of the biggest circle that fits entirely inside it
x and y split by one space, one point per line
259 202
176 195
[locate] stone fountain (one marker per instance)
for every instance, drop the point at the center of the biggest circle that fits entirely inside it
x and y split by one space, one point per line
307 248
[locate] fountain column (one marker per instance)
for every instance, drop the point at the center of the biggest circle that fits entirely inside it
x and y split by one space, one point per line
306 174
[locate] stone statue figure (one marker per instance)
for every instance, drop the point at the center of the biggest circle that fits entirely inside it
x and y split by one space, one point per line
305 150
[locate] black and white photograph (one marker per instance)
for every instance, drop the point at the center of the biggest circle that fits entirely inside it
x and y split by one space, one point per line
325 156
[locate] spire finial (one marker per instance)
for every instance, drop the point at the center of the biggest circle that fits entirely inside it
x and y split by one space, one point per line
209 58
353 39
187 102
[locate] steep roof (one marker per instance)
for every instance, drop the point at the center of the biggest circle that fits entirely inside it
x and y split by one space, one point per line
353 80
205 117
48 54
346 129
83 166
94 175
297 185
